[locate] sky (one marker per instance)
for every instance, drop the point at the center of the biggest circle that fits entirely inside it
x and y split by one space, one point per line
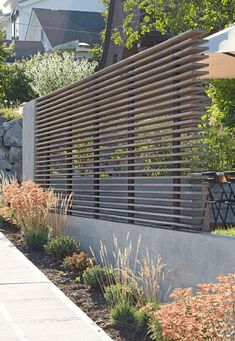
1 2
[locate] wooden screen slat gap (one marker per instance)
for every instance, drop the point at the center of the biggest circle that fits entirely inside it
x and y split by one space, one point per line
90 159
167 208
163 222
74 154
81 168
134 191
155 142
193 123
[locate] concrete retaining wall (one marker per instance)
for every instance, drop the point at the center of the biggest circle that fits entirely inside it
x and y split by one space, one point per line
191 258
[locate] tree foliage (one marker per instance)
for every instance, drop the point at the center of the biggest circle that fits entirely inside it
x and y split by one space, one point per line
221 124
97 50
5 52
49 72
172 16
14 84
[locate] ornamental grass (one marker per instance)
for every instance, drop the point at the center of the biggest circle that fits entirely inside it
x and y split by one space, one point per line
29 207
26 205
207 315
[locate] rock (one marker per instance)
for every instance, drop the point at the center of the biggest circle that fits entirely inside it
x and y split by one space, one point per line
13 133
2 119
3 153
5 165
15 154
1 131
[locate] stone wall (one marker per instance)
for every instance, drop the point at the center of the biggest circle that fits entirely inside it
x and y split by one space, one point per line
11 147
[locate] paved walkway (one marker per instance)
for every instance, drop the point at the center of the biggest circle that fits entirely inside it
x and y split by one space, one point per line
34 309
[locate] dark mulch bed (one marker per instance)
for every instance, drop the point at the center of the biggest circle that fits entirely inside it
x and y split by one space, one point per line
89 300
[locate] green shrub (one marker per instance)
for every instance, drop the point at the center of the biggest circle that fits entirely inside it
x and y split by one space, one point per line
36 238
117 293
2 220
51 71
98 276
14 84
229 232
155 330
9 113
124 315
78 279
78 262
62 246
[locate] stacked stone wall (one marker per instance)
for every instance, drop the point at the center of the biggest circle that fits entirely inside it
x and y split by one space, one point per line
11 147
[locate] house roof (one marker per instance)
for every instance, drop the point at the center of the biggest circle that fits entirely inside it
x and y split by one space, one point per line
63 26
25 49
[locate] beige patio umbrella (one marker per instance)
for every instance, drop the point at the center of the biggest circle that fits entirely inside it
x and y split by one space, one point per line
221 51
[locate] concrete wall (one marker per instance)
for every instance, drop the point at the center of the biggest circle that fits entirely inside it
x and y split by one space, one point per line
191 258
28 140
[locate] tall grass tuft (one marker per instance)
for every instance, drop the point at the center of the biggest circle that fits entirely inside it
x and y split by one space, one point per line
30 207
140 275
58 219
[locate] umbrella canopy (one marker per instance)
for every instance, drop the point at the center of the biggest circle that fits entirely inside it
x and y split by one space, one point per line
221 51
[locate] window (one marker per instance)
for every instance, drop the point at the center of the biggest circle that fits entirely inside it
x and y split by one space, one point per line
15 24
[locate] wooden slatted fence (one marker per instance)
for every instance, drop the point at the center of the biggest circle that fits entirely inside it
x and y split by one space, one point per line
126 140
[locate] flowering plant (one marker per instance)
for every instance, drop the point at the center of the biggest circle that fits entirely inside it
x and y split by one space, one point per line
207 315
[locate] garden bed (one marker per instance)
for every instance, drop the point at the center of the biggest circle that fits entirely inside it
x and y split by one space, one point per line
91 301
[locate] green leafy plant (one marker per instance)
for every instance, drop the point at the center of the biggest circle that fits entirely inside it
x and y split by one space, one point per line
1 220
10 113
154 328
78 279
36 238
174 16
229 232
98 276
51 71
117 293
97 50
78 262
220 124
14 84
62 246
124 315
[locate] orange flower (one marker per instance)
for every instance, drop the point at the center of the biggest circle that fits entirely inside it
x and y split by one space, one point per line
208 315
